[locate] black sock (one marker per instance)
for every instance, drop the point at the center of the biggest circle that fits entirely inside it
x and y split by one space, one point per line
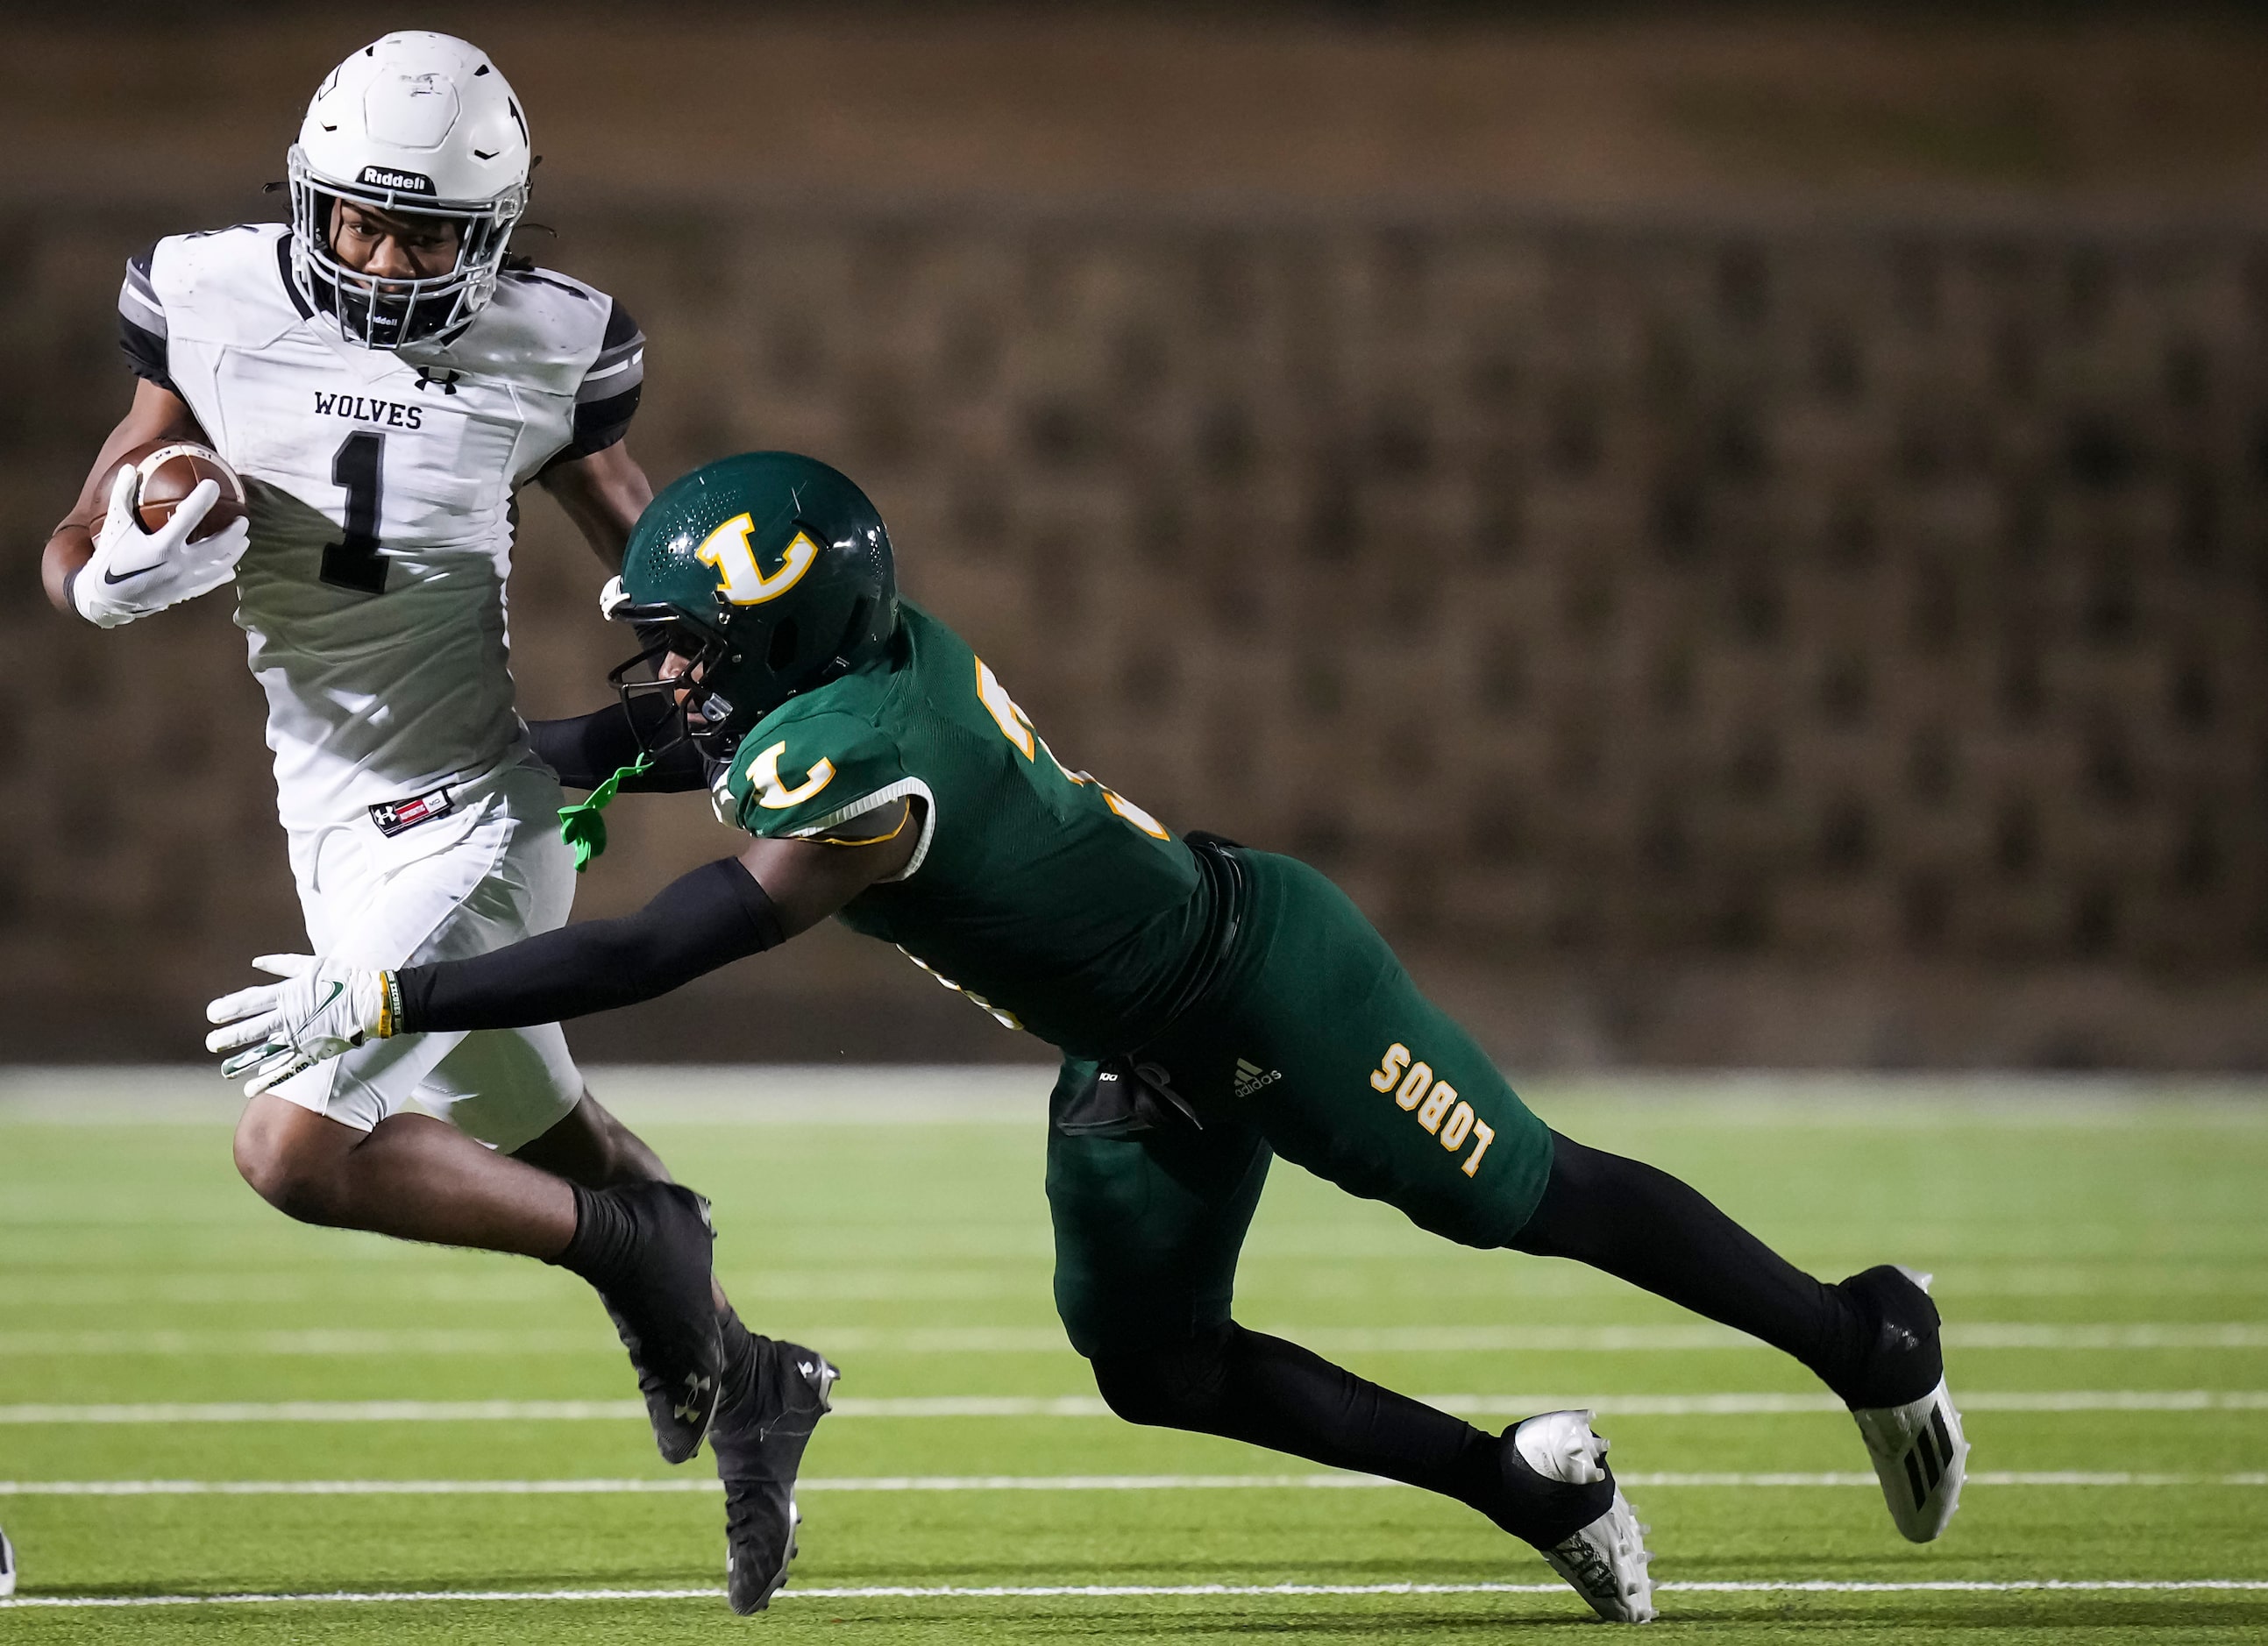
600 1249
1536 1507
1903 1360
741 1349
1643 1226
1246 1386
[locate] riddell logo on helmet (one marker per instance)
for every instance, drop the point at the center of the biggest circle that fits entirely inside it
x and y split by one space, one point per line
408 182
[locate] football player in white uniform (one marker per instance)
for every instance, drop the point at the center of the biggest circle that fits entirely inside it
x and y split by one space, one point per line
385 379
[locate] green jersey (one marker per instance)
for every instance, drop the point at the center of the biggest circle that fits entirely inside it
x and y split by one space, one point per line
1059 906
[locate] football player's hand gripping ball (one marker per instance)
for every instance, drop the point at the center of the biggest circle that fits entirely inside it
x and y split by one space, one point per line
135 572
320 1009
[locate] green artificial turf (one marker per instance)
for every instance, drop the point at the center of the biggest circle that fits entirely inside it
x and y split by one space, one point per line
912 1243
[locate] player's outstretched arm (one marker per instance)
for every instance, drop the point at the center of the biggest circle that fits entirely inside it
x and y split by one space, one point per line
722 912
603 494
586 750
157 413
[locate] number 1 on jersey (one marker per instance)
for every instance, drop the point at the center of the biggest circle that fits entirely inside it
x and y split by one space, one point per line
357 563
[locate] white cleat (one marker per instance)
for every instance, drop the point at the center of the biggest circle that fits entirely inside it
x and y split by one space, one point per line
1920 1455
7 1566
1605 1562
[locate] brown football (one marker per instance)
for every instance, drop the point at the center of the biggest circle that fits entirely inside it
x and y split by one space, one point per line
170 470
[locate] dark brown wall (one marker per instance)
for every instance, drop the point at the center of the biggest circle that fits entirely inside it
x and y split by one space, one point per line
1703 639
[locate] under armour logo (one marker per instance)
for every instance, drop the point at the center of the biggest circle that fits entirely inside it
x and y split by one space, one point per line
447 380
689 1409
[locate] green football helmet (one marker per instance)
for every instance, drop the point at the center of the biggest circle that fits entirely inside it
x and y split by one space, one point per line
769 574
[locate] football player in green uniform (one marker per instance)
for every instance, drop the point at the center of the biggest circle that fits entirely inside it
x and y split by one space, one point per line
1216 1006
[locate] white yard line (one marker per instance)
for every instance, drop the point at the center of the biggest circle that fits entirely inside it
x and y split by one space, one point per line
670 1486
1016 1093
1116 1591
447 1341
332 1412
918 1407
1781 1405
1681 1339
2013 1334
714 1095
346 1342
1348 1277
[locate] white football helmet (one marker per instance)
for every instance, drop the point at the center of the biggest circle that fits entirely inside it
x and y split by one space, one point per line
422 124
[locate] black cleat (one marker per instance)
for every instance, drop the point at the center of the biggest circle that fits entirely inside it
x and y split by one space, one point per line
666 1314
763 1423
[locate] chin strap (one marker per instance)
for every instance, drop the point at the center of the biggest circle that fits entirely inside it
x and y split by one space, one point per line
581 826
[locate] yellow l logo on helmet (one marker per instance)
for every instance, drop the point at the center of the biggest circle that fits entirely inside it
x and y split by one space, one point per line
728 549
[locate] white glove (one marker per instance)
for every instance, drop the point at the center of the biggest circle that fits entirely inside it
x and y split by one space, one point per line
322 1009
135 572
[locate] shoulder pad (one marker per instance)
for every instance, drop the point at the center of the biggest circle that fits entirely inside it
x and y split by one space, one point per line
540 326
578 291
803 772
226 285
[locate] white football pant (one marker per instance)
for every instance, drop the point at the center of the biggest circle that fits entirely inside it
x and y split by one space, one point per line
489 871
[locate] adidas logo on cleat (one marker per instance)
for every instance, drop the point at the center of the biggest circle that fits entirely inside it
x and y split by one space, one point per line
1921 1457
1250 1078
1931 1455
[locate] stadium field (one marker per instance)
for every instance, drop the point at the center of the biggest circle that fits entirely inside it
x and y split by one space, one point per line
216 1425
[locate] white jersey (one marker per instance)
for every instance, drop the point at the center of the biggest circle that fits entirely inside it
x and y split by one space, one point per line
381 485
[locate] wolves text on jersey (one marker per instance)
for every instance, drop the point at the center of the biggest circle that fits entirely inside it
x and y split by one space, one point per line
393 414
373 480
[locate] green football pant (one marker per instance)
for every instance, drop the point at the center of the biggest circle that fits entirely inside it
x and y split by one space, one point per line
1313 1044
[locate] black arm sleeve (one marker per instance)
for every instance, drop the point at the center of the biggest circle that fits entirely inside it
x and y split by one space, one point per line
588 749
698 923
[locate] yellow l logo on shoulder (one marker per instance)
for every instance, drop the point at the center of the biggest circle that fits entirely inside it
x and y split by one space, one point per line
774 795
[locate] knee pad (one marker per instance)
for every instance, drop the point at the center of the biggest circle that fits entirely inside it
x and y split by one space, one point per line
1182 1385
